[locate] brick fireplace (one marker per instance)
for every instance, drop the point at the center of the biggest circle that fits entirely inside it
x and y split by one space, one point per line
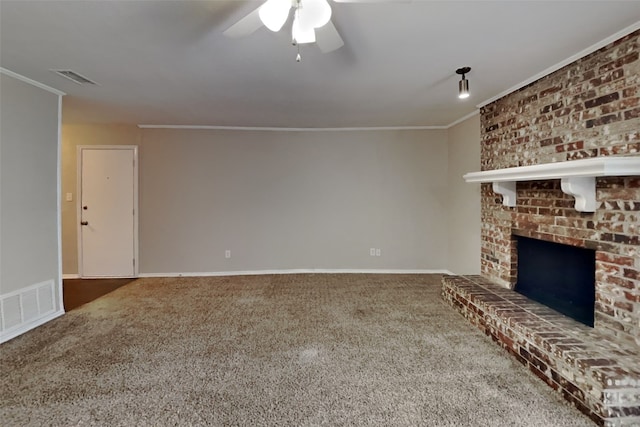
587 109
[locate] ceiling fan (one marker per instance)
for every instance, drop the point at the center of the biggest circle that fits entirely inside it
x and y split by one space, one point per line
311 21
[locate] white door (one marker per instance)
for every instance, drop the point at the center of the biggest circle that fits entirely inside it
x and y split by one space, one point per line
107 213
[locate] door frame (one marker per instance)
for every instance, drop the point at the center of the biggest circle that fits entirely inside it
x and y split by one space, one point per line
79 150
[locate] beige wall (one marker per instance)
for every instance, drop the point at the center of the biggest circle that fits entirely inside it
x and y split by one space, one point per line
72 137
294 200
28 186
464 199
289 200
279 200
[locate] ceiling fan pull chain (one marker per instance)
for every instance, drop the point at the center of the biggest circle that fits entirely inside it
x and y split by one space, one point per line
297 13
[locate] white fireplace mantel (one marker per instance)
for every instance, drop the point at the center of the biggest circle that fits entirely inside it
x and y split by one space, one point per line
578 177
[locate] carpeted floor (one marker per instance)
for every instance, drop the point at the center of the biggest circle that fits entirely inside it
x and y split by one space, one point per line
290 350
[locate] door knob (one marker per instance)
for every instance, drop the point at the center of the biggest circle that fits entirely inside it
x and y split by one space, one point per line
84 222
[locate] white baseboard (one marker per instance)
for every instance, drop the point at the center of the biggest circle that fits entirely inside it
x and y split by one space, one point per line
14 332
70 276
27 308
292 271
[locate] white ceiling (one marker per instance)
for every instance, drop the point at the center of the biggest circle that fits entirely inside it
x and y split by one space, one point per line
167 62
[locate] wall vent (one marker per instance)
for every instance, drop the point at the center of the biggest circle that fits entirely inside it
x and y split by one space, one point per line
74 77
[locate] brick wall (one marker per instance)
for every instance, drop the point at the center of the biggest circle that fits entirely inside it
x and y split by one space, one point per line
587 109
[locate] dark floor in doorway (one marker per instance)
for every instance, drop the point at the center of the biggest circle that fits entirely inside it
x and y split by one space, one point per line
77 292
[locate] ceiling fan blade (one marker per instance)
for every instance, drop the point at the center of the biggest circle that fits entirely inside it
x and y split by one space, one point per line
245 26
328 38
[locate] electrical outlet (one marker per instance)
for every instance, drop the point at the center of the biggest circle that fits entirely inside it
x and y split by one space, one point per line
69 197
372 251
378 252
227 254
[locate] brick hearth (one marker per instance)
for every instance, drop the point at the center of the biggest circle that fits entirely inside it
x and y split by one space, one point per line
598 375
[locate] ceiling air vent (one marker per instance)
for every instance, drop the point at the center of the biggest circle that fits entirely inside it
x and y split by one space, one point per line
74 77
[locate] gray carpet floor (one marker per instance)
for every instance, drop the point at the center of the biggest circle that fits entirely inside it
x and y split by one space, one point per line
289 350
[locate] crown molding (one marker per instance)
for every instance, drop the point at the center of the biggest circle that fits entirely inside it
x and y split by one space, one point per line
462 119
285 129
599 45
30 81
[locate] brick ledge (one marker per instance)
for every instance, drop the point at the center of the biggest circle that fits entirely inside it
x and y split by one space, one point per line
597 375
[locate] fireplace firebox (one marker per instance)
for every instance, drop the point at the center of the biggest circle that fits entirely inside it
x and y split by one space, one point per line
559 276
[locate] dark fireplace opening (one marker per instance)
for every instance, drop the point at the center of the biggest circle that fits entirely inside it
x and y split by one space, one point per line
561 277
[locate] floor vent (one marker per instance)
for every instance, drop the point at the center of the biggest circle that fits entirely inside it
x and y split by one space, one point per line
74 77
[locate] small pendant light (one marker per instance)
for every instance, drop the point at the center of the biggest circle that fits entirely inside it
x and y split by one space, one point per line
463 84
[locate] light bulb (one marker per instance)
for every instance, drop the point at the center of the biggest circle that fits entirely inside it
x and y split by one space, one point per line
274 13
463 88
301 34
314 13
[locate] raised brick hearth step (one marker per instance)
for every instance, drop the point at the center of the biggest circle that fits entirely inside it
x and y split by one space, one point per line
596 374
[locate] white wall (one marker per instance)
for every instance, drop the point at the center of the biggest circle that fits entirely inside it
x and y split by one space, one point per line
30 289
464 198
292 200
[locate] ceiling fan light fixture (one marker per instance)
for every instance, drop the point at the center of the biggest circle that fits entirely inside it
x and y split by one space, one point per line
463 84
274 14
314 13
301 34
